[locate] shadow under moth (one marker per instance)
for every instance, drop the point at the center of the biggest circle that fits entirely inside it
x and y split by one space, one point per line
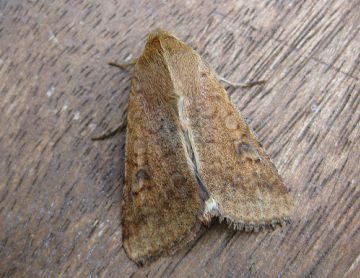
190 156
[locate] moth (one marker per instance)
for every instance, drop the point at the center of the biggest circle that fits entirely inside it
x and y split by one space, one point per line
190 156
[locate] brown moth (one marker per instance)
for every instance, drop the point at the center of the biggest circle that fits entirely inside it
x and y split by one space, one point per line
190 156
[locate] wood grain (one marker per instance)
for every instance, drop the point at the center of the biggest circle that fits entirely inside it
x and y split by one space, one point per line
60 192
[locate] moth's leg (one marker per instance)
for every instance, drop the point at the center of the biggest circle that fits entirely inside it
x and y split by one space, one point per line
122 66
119 128
243 85
111 132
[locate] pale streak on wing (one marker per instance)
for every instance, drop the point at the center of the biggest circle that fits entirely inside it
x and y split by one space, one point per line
240 178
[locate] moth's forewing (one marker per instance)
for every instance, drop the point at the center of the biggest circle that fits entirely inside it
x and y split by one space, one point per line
161 203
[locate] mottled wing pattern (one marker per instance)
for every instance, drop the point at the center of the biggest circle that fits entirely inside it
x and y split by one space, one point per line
161 203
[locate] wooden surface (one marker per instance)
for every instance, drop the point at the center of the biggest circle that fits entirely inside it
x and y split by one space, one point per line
60 193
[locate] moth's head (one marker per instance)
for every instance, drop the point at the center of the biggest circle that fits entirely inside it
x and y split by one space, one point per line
159 33
161 39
